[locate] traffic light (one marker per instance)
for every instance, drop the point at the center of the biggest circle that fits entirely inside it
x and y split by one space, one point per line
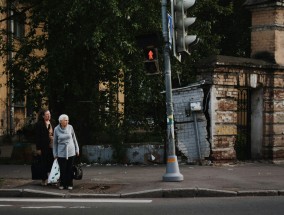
182 41
149 43
151 60
151 54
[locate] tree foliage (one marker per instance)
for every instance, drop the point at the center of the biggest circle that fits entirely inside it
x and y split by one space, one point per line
72 46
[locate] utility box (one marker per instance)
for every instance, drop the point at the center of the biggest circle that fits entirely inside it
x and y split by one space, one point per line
195 106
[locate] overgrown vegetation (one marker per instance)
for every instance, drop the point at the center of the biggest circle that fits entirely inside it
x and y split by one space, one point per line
71 47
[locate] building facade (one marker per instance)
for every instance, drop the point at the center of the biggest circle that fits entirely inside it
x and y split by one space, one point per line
12 114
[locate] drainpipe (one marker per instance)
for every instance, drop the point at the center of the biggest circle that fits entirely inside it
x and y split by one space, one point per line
197 135
10 92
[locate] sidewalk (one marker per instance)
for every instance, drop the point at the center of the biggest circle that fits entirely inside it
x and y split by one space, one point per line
118 181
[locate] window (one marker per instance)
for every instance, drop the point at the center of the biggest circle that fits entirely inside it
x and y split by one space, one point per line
19 25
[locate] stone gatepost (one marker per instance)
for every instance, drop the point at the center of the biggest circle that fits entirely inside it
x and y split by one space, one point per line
263 79
267 30
227 75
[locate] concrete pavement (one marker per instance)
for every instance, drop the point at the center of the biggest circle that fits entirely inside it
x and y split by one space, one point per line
129 181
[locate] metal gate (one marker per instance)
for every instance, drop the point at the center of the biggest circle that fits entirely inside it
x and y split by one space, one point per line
243 142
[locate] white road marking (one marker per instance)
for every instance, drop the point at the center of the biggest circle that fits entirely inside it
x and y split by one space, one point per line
45 207
5 205
76 200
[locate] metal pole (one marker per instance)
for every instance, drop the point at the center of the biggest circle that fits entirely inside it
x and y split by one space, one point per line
172 171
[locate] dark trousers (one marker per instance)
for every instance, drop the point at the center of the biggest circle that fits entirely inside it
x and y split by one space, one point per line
66 174
46 163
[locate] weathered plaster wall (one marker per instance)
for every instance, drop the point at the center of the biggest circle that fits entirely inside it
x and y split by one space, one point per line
191 123
142 154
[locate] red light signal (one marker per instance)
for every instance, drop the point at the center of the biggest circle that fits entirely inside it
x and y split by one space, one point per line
151 54
151 61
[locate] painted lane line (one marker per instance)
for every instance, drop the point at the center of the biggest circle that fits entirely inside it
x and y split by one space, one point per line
79 207
5 205
45 207
76 200
52 207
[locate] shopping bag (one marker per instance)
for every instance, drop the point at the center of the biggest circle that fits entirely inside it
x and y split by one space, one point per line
36 168
77 172
54 173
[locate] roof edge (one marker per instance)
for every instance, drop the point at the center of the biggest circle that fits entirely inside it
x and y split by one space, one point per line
221 60
263 3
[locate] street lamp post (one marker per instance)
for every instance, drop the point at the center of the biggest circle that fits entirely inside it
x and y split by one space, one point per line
172 170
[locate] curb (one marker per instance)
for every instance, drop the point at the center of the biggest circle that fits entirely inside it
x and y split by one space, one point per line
157 193
180 193
259 193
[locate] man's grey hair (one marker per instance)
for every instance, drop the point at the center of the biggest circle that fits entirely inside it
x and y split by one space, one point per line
63 117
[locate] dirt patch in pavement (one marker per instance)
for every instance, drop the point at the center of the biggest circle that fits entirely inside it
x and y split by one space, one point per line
13 183
95 188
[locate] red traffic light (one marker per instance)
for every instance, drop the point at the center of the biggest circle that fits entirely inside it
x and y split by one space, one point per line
151 54
151 62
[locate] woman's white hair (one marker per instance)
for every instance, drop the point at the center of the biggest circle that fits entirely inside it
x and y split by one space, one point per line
63 117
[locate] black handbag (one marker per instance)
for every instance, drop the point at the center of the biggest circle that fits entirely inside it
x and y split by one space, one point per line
36 168
77 172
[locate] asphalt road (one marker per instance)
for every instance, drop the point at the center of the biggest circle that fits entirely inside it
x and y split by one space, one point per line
163 206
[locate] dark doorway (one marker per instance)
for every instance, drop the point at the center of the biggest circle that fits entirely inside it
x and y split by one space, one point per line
243 142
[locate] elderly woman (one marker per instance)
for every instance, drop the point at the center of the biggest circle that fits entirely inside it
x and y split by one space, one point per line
44 143
65 148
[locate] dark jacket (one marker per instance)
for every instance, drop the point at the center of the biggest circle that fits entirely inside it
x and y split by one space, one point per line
42 136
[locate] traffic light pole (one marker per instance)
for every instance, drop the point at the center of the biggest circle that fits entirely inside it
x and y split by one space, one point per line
172 170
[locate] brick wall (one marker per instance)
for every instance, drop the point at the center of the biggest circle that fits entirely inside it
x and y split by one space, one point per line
227 75
267 33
